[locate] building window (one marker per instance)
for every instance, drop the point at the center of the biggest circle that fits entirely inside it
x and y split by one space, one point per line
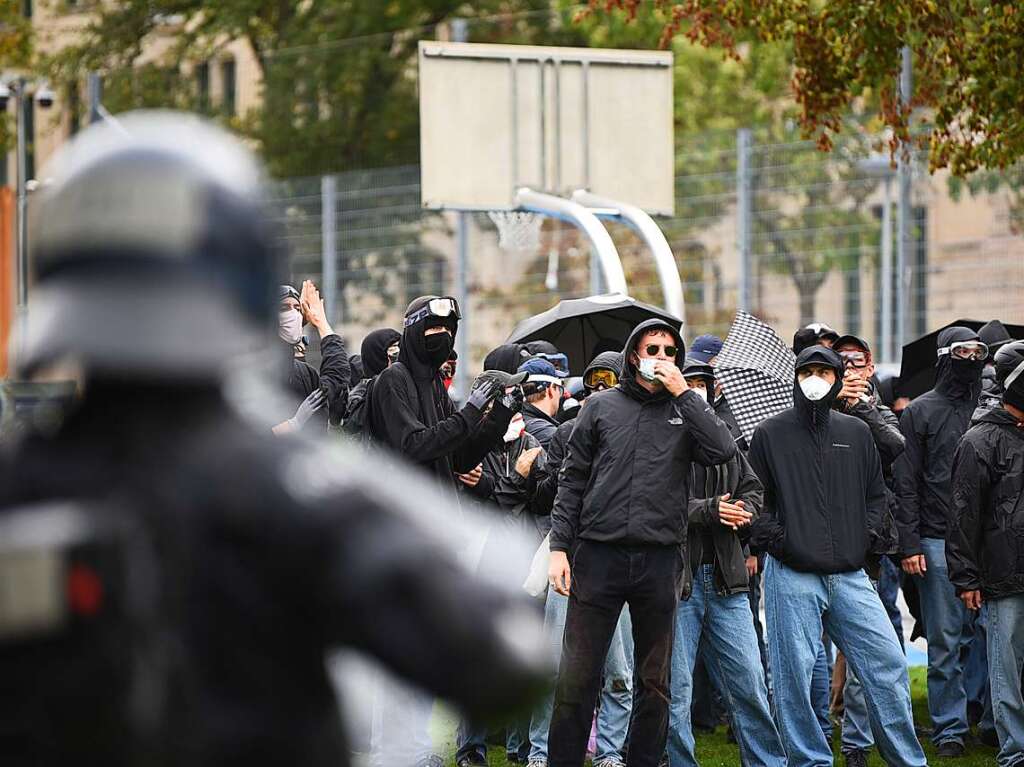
203 87
227 76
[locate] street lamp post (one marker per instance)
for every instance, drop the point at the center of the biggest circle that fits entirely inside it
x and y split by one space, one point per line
879 166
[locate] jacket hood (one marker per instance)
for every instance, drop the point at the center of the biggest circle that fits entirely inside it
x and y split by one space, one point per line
628 378
605 361
994 334
820 355
996 415
413 353
374 350
946 380
507 358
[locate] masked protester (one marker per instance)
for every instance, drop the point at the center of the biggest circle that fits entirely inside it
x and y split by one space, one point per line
412 414
378 351
321 396
984 548
616 702
859 399
824 499
714 613
209 567
993 334
624 526
933 425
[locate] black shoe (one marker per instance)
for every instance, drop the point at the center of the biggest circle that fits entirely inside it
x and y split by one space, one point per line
951 749
473 760
988 738
856 758
512 757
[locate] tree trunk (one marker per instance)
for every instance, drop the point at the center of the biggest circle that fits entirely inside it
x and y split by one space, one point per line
808 292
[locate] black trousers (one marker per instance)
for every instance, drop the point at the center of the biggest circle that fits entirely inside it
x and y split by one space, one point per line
604 577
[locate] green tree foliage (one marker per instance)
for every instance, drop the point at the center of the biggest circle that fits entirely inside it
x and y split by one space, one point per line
15 52
966 64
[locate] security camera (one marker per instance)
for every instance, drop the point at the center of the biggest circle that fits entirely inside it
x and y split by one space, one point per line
5 95
45 97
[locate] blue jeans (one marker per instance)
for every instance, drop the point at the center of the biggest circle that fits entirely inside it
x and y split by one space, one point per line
821 687
730 648
799 606
975 662
1005 658
944 617
616 695
888 591
857 725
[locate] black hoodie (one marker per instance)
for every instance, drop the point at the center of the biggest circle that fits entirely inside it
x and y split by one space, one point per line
932 426
374 350
412 413
625 478
824 495
985 542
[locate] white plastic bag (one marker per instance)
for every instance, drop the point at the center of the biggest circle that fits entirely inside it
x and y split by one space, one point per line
537 581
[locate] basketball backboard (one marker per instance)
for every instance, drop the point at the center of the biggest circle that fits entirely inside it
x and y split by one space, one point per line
494 118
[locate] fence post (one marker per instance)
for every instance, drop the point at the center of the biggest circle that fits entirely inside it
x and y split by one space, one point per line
904 211
462 296
744 213
329 243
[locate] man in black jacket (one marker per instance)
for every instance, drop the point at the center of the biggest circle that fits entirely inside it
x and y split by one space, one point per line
544 387
620 510
379 351
332 380
824 499
412 413
715 612
985 542
933 425
209 568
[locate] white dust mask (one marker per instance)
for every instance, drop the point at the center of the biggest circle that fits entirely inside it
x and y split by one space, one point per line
815 388
290 326
646 368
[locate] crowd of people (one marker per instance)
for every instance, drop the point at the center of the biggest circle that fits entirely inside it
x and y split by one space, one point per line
665 528
658 528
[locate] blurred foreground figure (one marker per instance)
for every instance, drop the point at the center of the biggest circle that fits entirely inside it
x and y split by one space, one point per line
179 572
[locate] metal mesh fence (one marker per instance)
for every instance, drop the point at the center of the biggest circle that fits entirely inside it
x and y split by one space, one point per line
812 227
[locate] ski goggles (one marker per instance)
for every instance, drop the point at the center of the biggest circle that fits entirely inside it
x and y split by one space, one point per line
966 350
601 377
441 308
559 361
653 350
855 359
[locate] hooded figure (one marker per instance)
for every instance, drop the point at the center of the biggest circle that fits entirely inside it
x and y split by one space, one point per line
932 426
374 360
375 350
824 494
507 358
623 488
412 413
994 335
824 502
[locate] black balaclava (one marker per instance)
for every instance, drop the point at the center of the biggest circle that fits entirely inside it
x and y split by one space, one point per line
628 378
816 414
374 350
954 377
422 365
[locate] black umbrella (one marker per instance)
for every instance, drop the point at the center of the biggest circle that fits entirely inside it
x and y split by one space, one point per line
582 327
917 368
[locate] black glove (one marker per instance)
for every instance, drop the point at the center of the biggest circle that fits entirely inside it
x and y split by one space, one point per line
513 400
483 391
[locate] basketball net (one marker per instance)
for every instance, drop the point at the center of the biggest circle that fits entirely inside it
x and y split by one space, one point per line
518 230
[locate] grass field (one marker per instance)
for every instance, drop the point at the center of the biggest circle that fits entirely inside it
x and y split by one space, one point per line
714 751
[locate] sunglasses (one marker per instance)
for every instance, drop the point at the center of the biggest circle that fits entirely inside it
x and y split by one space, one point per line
855 359
653 349
966 350
605 378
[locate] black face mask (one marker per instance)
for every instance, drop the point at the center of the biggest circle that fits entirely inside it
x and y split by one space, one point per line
967 371
439 348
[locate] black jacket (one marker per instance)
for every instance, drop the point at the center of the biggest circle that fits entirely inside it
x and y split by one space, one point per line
275 552
709 484
985 541
824 495
333 378
539 424
724 411
626 476
933 425
547 483
411 412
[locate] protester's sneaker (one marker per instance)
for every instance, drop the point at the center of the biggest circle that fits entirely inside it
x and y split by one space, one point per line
951 749
856 758
430 761
472 760
537 763
988 738
609 762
